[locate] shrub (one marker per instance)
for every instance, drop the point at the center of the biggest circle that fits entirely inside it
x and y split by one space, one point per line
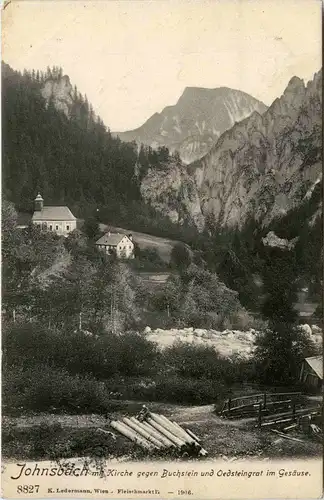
180 256
195 361
184 390
148 259
43 388
31 344
135 354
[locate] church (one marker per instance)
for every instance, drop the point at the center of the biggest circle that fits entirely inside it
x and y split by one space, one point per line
50 218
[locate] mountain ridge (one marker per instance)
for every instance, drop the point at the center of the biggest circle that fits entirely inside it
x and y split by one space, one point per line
195 122
261 168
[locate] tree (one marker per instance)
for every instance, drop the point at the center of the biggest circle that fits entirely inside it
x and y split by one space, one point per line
282 347
279 286
280 351
91 228
176 157
180 256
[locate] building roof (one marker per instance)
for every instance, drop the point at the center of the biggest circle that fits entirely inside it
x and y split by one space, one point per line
53 214
316 363
110 239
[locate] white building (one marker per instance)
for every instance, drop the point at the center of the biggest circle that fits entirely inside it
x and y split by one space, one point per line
121 244
57 219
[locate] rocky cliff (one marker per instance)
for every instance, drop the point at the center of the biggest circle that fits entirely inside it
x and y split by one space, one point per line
196 121
173 193
265 165
262 167
60 92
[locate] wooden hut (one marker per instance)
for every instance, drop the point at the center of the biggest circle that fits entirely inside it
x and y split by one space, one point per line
311 373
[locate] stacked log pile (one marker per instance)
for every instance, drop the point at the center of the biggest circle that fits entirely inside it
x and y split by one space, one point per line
158 435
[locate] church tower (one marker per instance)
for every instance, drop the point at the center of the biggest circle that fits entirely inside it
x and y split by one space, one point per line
38 203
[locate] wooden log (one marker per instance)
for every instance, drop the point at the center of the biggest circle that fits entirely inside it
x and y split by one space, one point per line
132 435
143 432
196 438
275 422
254 397
203 452
167 424
302 411
279 403
157 435
109 433
288 437
180 433
175 440
188 436
290 427
241 407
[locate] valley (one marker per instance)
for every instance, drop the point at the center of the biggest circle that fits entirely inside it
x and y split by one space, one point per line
222 197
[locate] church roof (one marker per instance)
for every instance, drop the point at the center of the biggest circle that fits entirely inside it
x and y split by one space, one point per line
53 213
110 239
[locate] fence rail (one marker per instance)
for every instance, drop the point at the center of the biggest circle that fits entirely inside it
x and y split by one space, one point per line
241 406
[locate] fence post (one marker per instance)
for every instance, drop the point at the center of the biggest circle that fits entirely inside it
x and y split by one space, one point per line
294 411
309 421
265 400
229 404
260 415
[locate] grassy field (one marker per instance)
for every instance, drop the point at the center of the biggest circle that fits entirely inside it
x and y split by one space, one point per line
58 436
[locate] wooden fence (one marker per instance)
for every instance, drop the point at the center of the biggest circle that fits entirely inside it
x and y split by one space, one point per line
253 404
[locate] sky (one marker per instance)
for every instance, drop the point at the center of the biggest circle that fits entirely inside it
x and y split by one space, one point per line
134 57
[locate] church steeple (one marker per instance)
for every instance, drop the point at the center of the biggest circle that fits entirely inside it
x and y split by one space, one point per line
39 203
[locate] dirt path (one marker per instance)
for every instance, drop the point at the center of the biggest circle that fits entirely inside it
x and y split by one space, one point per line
178 413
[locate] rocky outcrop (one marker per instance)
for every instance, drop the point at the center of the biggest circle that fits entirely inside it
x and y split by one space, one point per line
272 240
59 90
261 168
173 193
196 121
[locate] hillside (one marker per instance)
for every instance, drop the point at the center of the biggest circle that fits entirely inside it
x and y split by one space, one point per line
162 245
54 143
196 121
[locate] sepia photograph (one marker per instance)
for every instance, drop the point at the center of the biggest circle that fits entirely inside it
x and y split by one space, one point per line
162 248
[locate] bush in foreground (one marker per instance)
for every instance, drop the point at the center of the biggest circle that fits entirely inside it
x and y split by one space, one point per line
42 388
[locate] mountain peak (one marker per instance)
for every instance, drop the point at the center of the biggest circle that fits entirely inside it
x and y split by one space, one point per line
295 84
196 121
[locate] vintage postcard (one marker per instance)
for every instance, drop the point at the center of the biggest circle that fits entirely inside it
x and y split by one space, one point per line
162 249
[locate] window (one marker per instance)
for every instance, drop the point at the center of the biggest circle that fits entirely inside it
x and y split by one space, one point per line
51 227
68 228
56 228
